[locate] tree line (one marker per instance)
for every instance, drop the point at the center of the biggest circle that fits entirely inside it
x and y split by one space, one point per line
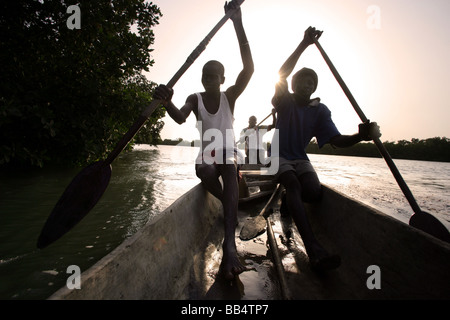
432 149
67 95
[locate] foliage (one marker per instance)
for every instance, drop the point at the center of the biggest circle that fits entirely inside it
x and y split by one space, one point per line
169 142
68 95
432 149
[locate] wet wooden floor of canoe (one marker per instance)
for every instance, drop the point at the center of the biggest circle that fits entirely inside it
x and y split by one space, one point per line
261 281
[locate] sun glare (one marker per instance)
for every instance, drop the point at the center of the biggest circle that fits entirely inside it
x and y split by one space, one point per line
376 64
271 45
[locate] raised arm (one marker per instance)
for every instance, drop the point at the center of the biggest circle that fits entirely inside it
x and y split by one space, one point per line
289 65
247 60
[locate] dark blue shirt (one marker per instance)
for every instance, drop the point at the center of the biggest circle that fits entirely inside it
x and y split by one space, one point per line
298 125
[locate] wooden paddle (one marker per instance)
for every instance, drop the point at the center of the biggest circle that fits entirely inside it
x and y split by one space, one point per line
420 219
264 119
257 225
261 121
88 186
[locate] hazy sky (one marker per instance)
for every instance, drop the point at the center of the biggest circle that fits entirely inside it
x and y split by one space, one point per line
393 55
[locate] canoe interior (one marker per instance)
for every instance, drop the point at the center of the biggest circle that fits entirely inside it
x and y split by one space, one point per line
177 255
412 264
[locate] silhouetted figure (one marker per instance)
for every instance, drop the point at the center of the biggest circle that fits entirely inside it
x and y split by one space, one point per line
299 119
252 136
214 111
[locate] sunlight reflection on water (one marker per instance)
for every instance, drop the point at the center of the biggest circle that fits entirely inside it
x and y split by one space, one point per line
370 181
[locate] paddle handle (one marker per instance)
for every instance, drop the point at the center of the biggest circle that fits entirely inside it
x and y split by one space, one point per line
269 203
264 119
201 47
130 134
155 103
381 148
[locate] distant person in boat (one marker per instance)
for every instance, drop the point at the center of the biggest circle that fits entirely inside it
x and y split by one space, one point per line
214 111
252 136
299 119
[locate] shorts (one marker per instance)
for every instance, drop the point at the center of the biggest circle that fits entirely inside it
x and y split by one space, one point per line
228 157
299 166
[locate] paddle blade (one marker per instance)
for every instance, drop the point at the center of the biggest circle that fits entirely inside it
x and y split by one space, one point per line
430 224
253 228
78 199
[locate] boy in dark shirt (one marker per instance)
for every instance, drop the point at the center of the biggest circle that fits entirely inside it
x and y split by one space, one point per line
299 119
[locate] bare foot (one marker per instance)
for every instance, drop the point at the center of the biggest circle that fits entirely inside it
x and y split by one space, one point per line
231 266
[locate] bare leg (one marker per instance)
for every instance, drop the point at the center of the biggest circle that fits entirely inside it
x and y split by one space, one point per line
318 256
209 175
311 187
297 210
231 264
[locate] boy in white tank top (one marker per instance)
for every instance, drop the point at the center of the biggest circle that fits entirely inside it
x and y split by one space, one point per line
214 111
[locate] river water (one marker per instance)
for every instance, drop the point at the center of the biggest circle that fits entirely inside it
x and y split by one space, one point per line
147 180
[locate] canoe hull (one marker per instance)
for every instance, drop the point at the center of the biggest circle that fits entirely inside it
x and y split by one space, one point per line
410 264
177 255
156 263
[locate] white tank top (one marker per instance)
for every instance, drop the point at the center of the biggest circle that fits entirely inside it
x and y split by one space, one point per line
216 132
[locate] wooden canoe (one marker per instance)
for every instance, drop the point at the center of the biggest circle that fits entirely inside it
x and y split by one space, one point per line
177 256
